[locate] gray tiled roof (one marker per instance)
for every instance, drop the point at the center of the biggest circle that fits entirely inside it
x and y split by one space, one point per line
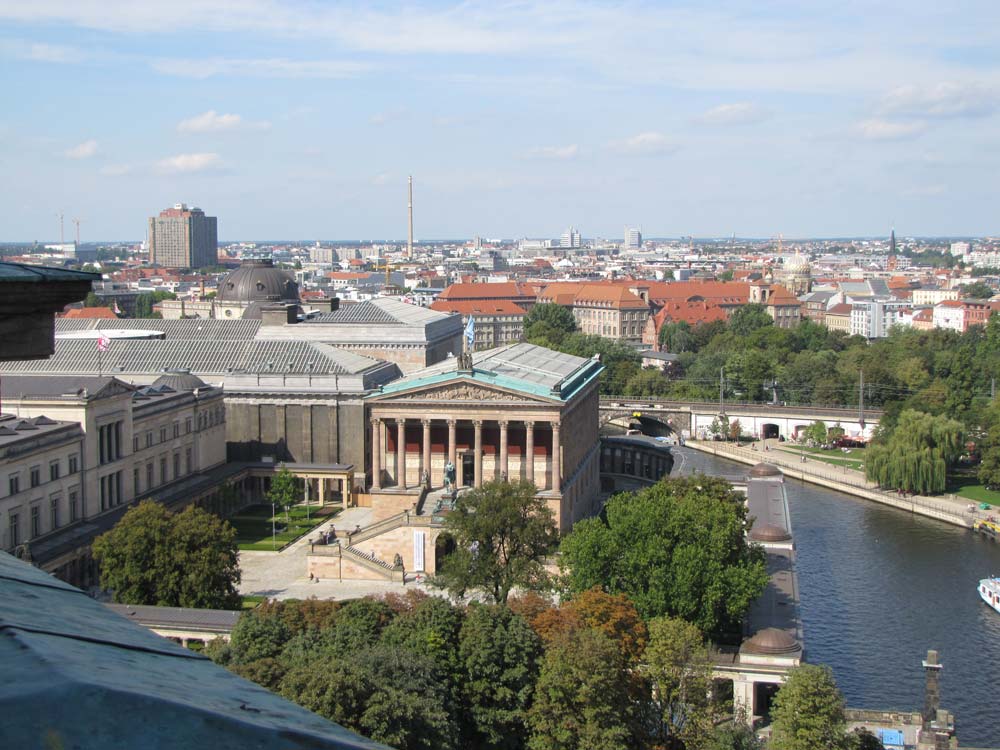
198 619
526 362
189 329
202 357
384 310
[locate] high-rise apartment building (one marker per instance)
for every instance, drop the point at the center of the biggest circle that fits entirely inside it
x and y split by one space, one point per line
570 238
182 237
633 238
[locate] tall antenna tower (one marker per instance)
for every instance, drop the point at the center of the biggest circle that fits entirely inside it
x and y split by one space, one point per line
77 222
62 233
409 208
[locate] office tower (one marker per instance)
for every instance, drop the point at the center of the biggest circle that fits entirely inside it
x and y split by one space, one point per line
570 238
633 238
182 237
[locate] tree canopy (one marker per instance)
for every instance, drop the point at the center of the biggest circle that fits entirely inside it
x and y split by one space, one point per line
502 532
187 559
677 548
808 711
917 454
285 490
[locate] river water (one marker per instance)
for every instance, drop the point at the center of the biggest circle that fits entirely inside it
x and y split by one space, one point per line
877 588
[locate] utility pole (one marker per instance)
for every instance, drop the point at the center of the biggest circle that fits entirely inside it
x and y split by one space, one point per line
861 400
722 402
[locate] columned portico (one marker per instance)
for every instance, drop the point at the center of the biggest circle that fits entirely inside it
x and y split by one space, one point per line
504 417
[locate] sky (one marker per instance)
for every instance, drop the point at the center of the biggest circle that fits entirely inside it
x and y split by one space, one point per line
302 119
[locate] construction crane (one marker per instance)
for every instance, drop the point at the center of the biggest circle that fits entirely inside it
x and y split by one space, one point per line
387 267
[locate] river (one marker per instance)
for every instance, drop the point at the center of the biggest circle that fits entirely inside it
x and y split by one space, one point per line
877 588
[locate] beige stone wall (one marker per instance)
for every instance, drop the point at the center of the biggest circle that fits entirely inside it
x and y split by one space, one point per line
401 540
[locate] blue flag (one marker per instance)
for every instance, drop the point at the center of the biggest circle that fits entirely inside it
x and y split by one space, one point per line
470 334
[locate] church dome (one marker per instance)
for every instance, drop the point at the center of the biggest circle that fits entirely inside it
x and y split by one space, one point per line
179 380
769 532
258 281
762 470
797 264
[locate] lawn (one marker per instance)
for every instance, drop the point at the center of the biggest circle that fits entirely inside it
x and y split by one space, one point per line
969 486
852 459
253 525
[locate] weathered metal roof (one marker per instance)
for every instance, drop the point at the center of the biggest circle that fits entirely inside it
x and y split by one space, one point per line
190 329
177 617
78 675
21 273
380 311
200 356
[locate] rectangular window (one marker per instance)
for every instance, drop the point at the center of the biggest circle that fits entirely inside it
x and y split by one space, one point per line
53 471
14 525
177 429
53 513
135 443
163 434
73 509
149 475
163 470
74 464
177 465
36 521
149 438
135 481
187 461
102 454
36 476
14 483
187 425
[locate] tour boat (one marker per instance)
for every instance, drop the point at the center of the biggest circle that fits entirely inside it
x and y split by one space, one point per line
989 590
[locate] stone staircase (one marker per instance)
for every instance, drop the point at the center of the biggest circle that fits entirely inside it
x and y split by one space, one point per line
373 563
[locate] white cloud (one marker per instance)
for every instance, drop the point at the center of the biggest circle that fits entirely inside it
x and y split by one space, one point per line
276 67
213 122
554 152
116 170
924 191
381 118
188 163
40 51
644 144
942 100
739 113
82 150
887 130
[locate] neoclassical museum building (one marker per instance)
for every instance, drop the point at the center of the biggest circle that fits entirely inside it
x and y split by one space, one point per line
516 412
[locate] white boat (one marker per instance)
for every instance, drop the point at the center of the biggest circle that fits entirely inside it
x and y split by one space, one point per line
989 590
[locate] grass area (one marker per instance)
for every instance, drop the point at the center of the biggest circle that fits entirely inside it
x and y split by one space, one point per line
250 601
968 486
852 459
253 525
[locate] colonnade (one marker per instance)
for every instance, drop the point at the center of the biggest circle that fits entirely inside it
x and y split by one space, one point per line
380 426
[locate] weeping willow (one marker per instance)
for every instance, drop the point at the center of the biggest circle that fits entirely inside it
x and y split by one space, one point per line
916 456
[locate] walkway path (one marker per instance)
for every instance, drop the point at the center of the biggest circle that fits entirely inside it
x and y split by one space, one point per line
949 508
282 575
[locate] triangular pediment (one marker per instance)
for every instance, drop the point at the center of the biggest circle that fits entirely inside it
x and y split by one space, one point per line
463 390
114 387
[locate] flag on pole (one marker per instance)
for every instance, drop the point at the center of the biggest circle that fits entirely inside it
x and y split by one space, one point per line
103 343
114 308
470 334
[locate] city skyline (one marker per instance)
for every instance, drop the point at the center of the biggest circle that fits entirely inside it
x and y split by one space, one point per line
304 120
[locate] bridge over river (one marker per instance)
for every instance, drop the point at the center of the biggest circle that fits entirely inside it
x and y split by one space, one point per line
693 418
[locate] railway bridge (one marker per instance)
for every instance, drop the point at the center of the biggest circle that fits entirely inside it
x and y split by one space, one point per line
693 418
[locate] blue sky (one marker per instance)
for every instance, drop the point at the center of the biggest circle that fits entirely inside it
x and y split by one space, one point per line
303 119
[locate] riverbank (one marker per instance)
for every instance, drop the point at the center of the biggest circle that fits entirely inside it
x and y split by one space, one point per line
950 508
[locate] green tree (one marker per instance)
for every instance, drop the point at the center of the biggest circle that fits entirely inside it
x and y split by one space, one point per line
152 556
285 490
917 453
977 290
502 533
92 300
676 337
678 665
808 712
816 432
677 548
736 736
581 698
549 323
498 664
989 466
749 318
257 635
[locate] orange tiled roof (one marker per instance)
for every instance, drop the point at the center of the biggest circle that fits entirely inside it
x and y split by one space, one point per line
692 313
581 293
509 290
478 307
103 313
842 309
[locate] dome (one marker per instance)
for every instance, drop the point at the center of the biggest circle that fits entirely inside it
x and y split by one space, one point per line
258 280
760 471
770 641
768 532
179 380
797 264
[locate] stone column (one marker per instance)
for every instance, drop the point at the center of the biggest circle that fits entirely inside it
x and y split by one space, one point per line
556 458
743 700
427 449
376 454
322 492
503 449
401 453
452 443
478 475
529 451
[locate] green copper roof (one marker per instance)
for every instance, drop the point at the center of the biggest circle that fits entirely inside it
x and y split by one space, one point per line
532 370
